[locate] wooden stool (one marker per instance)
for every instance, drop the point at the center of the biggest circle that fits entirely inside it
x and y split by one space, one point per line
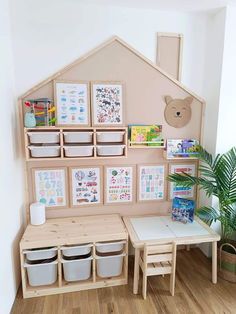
158 259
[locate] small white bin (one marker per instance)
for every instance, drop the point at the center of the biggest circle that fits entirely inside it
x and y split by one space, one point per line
109 266
110 150
78 137
41 274
105 247
44 137
45 151
76 250
75 270
78 151
40 254
110 137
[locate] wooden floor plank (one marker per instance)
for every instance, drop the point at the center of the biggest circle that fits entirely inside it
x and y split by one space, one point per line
194 294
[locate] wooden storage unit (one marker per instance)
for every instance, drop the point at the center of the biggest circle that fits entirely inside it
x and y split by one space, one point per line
72 231
62 144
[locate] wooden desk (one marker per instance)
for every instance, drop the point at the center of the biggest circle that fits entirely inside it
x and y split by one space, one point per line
73 231
160 229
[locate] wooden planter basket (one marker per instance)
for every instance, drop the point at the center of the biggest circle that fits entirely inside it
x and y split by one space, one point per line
227 263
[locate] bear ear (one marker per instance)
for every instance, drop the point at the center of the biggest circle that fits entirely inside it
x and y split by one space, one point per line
188 100
168 99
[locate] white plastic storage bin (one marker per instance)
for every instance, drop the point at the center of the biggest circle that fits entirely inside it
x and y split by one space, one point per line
78 151
41 274
45 151
109 266
44 137
40 254
78 269
77 250
105 247
110 150
110 137
78 137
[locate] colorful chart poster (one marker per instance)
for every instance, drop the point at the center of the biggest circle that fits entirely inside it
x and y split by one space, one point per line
72 103
107 104
119 184
177 190
151 183
86 186
50 187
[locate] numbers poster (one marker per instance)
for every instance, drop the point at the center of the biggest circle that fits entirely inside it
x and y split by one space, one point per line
151 183
119 184
86 186
177 190
72 103
50 187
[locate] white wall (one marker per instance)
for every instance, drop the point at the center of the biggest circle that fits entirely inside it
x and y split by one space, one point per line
11 194
47 35
226 135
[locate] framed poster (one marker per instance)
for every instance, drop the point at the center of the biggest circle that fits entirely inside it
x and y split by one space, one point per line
50 186
72 103
176 190
119 184
85 186
107 104
151 183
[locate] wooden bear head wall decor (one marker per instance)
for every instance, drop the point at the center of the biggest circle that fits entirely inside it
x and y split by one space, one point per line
178 111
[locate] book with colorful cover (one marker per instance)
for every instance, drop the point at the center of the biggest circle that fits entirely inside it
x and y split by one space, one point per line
182 148
183 210
147 135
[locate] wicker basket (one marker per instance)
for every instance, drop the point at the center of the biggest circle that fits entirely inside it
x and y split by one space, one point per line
227 263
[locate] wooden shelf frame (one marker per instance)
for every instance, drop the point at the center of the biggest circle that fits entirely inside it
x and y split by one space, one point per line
92 230
61 143
144 145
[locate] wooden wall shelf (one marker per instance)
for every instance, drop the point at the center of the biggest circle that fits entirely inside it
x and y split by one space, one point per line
62 144
144 145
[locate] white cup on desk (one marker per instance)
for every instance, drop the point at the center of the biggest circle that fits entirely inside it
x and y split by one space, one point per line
37 214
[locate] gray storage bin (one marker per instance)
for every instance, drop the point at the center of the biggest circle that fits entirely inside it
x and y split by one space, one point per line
41 274
76 250
105 247
109 266
40 254
77 269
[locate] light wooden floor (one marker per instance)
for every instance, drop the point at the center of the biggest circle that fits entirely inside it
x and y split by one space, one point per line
194 294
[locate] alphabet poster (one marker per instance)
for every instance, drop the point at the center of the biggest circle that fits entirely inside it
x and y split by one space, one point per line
119 184
177 190
85 186
50 187
151 183
72 103
107 104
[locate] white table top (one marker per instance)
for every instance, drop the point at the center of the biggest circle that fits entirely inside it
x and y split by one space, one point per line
160 228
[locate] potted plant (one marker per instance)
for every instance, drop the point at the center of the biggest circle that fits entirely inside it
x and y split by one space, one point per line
217 177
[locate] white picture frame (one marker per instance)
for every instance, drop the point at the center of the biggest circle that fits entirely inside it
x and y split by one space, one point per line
107 103
50 186
86 186
72 102
151 183
176 190
119 184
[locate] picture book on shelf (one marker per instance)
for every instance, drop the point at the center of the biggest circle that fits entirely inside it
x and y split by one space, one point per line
183 210
182 148
150 135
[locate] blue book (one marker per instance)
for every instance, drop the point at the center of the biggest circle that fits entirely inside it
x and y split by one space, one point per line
183 210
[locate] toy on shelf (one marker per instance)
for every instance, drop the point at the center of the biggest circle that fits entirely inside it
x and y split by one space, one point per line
146 135
43 111
182 148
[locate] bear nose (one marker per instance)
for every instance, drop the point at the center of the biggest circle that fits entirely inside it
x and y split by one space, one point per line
178 113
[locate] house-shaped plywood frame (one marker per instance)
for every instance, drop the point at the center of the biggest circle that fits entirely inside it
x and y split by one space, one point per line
146 86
